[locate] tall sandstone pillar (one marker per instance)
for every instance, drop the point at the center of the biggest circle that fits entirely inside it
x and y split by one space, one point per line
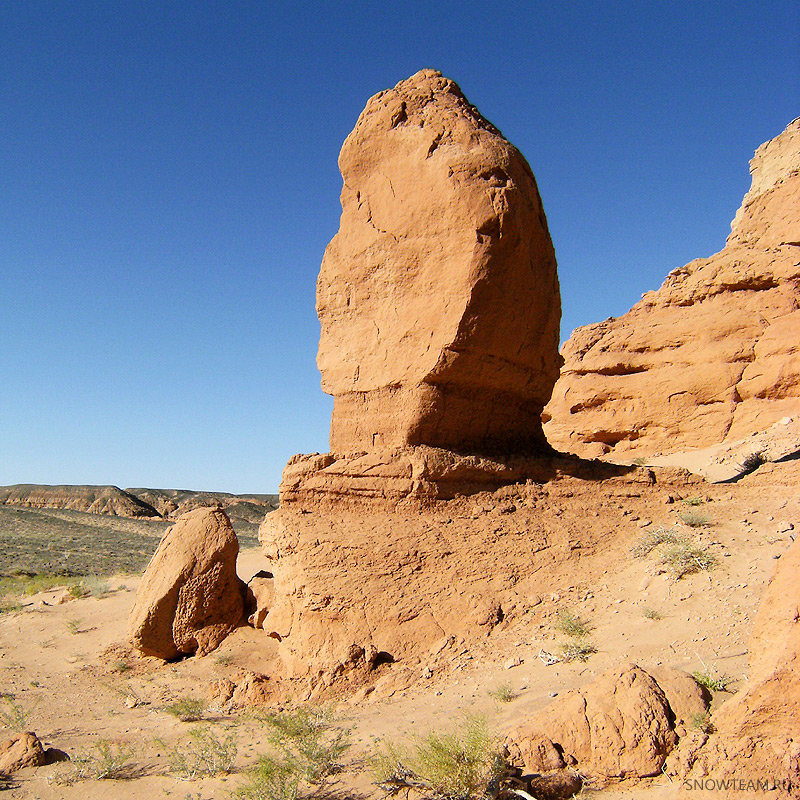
438 297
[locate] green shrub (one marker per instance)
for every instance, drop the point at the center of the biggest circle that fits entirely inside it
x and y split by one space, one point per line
712 680
651 613
458 765
111 760
686 558
576 650
503 693
701 720
650 540
204 754
270 779
694 519
572 625
309 739
13 716
307 747
187 709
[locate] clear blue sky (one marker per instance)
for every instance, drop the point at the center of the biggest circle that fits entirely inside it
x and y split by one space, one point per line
168 184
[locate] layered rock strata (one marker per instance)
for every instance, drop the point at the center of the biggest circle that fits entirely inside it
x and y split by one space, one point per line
712 355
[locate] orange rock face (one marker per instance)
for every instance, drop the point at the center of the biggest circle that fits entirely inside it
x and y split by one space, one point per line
714 354
438 297
190 597
757 730
622 725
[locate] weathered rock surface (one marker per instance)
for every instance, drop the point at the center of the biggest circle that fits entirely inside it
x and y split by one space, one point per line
23 750
421 474
395 581
260 597
190 597
714 354
622 725
731 460
757 735
438 297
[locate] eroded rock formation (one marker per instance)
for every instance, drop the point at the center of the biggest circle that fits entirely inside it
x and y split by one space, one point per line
438 297
756 738
439 305
190 597
714 354
622 725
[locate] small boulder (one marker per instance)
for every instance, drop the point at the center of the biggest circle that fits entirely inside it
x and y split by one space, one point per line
190 597
260 593
24 750
619 726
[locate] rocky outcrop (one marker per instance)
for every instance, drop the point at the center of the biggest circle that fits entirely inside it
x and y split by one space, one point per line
713 354
757 738
190 597
361 584
438 297
92 499
439 305
623 725
23 750
260 597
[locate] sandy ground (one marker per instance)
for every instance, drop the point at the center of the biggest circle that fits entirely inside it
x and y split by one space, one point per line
51 658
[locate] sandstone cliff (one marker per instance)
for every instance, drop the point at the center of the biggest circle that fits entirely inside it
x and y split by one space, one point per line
713 354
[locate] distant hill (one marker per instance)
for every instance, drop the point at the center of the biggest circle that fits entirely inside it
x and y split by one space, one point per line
136 503
81 530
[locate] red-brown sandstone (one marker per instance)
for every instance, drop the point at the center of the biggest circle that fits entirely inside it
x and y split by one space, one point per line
438 297
710 356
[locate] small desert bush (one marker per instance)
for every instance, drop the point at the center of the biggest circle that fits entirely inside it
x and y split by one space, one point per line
576 650
693 501
701 721
686 558
752 462
204 753
650 540
13 715
107 760
678 554
8 606
270 779
307 745
572 625
502 693
694 519
309 738
187 709
92 586
651 613
74 626
457 765
712 680
577 646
